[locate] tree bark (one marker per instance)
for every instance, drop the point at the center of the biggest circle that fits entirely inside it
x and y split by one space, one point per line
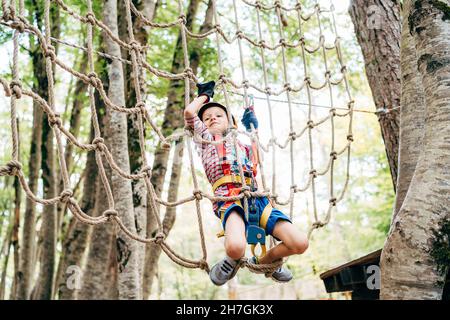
44 285
412 116
408 268
173 120
74 127
129 280
26 269
141 34
15 233
377 26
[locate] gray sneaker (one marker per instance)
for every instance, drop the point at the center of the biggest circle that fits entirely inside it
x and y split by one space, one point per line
282 274
223 271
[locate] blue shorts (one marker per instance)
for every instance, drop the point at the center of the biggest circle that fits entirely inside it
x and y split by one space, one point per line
268 216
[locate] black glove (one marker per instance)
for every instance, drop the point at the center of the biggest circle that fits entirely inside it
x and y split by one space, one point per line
206 89
248 118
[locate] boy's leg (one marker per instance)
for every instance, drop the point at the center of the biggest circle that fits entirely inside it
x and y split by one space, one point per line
293 242
235 244
235 241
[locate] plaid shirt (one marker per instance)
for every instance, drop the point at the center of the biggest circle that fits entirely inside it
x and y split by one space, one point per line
220 160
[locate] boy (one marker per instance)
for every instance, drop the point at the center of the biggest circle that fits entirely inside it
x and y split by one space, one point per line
209 120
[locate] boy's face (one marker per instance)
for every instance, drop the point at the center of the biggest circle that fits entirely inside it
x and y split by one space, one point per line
216 120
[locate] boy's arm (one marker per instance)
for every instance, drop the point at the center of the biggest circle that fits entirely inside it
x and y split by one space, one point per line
191 110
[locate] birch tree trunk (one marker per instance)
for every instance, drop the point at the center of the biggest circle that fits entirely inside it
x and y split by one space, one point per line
377 26
408 268
141 34
127 249
412 116
173 120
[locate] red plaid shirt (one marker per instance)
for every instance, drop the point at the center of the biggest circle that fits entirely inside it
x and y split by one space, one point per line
220 160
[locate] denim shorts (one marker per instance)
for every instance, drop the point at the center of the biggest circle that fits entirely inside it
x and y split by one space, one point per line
267 214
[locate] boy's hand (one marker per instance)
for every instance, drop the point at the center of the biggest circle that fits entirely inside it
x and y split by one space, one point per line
206 89
249 118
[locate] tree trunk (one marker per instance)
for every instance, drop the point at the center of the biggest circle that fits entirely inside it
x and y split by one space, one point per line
173 120
127 249
44 285
412 116
409 269
148 8
98 278
15 234
26 269
74 128
377 26
78 233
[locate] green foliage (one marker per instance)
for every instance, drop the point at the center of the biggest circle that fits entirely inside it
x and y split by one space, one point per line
441 246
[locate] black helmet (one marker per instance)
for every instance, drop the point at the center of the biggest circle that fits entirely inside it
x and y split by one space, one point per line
214 104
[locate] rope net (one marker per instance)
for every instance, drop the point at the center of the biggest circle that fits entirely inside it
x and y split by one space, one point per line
13 17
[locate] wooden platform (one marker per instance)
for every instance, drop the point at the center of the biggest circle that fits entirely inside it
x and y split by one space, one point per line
353 276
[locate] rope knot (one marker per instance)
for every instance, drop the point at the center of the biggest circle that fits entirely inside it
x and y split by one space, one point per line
245 84
239 34
344 69
16 88
277 4
90 17
333 111
182 18
310 124
262 43
287 86
318 224
135 46
298 6
198 194
159 238
282 41
246 191
223 78
94 80
99 143
328 74
268 90
111 214
333 155
189 73
18 25
49 52
350 137
141 105
313 172
293 135
294 188
13 167
307 80
54 119
302 40
203 265
66 195
147 170
333 201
